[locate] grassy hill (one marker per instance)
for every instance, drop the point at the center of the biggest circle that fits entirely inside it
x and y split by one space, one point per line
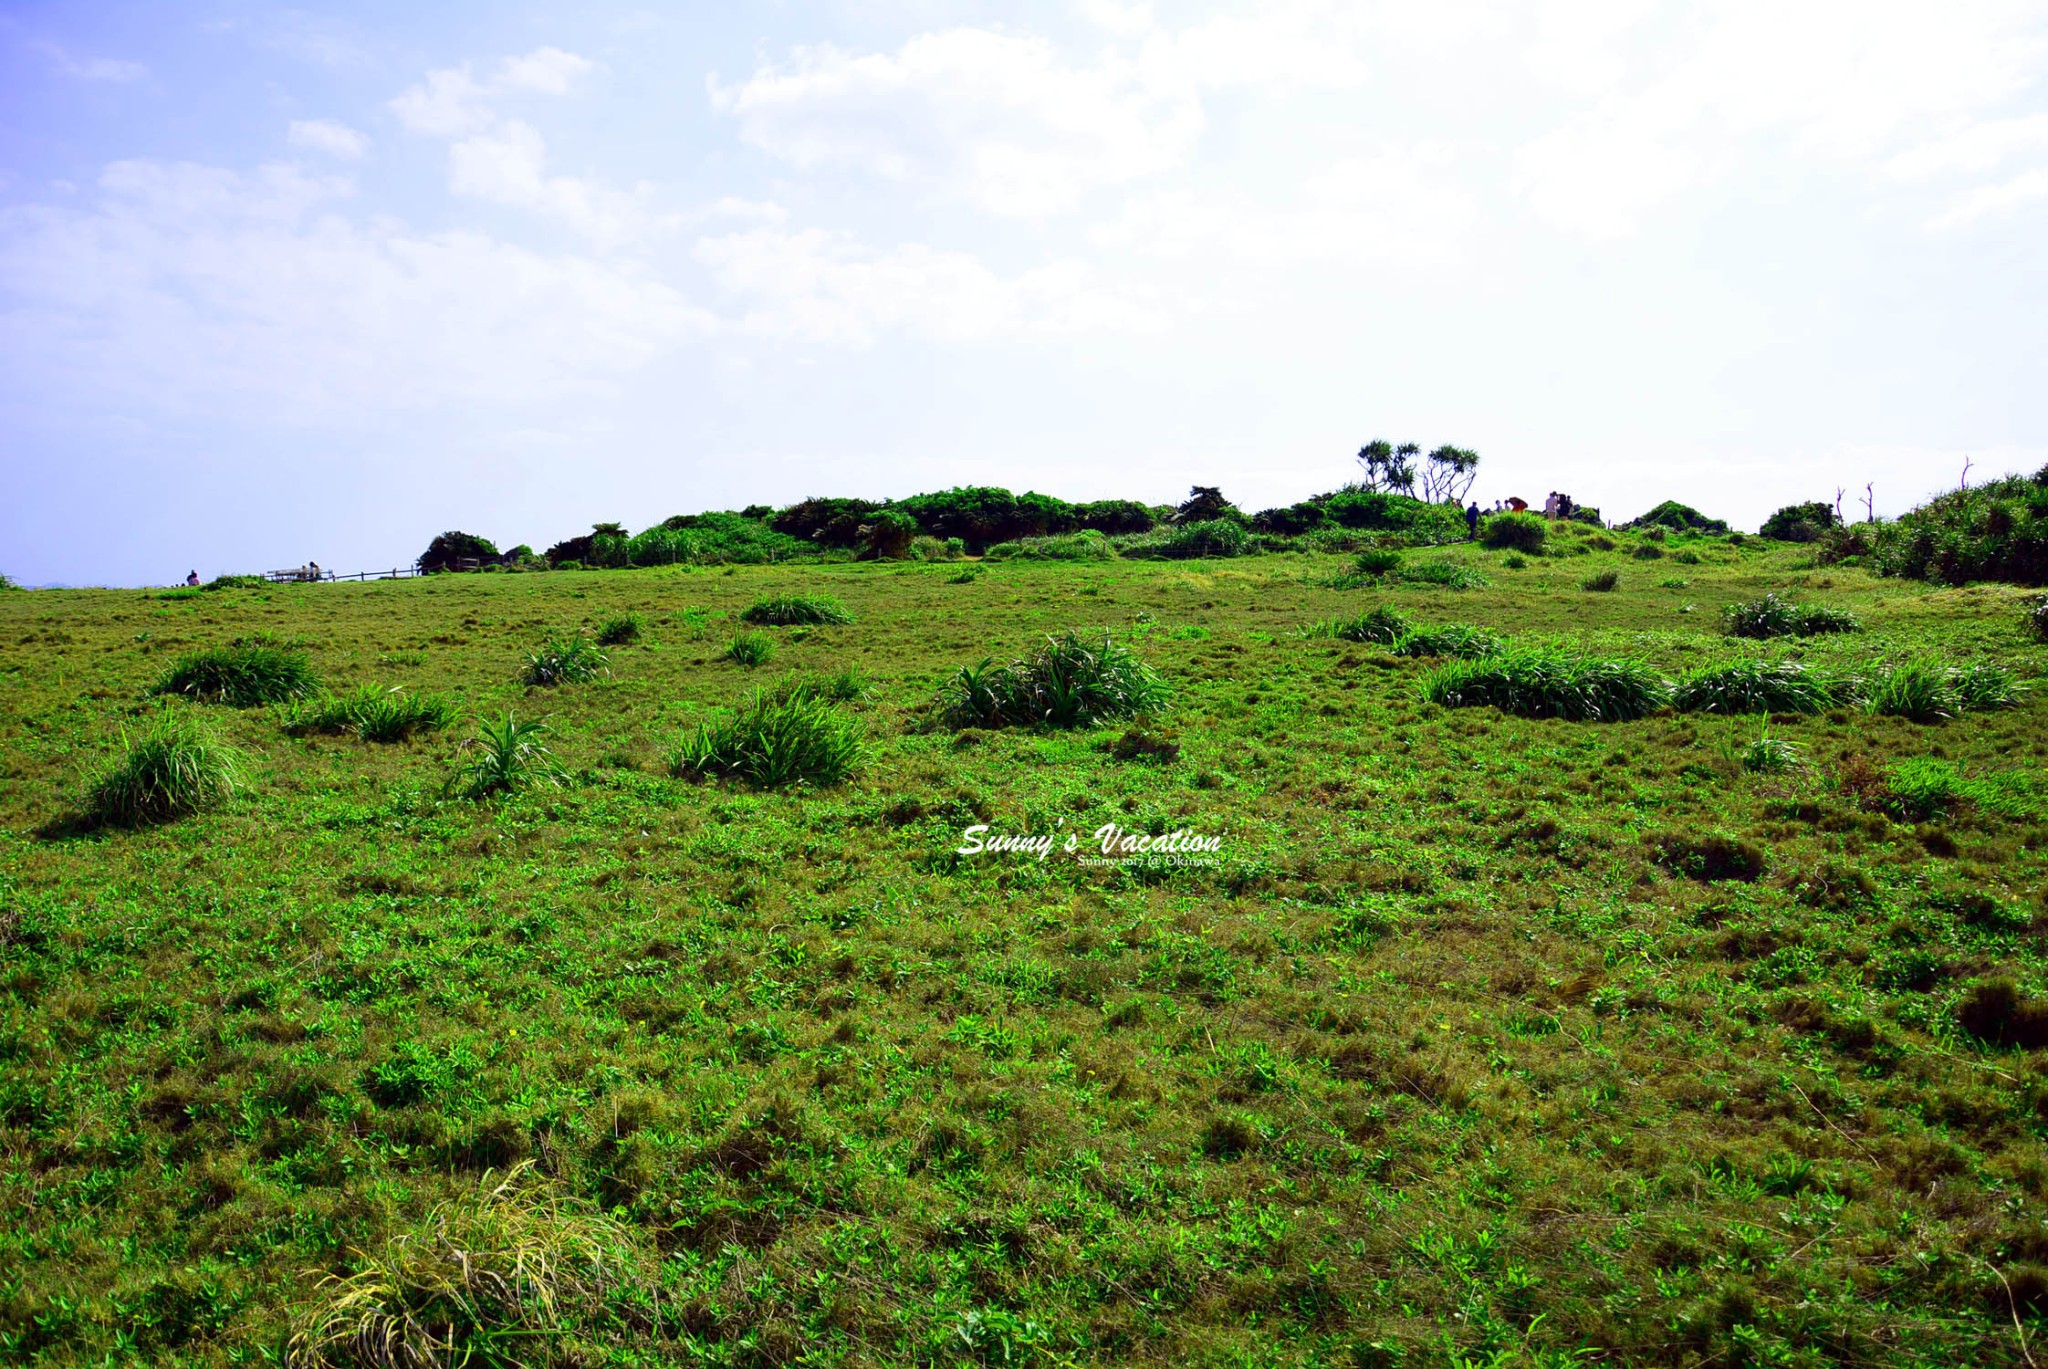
1481 1039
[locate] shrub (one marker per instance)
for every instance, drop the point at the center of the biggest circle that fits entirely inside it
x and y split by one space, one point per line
774 742
1753 687
1995 531
1686 556
1188 541
1514 532
176 767
750 649
1772 616
620 631
1714 856
220 582
1377 561
790 610
445 551
519 1265
887 536
1994 1012
1545 683
506 755
574 659
375 715
1514 561
980 515
924 548
1648 552
1677 517
240 676
1383 626
1069 682
7 584
1086 545
1799 523
1114 517
1456 639
1601 582
702 539
824 522
1444 575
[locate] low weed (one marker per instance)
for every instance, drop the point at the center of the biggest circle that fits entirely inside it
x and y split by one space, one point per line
750 649
1601 582
843 686
506 755
772 743
574 659
175 768
240 676
796 610
1444 574
1069 682
1753 687
373 714
1539 682
623 630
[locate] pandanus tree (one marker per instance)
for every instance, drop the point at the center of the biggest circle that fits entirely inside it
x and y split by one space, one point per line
1448 473
1388 469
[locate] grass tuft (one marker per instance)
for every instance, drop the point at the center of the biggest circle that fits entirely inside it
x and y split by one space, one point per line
1769 755
1753 687
574 659
1538 682
175 768
506 755
773 743
1920 691
1444 575
240 676
1601 582
1069 682
623 630
1455 639
750 649
1383 626
844 686
509 1276
796 610
1772 616
373 714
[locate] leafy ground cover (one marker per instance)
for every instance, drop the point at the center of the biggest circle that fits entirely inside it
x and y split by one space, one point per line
1479 1039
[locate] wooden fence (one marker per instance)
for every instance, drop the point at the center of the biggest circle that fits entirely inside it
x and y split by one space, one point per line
307 575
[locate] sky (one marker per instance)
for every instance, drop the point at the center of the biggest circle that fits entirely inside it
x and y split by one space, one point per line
280 284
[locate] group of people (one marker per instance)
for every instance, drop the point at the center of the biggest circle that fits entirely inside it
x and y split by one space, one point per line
1556 506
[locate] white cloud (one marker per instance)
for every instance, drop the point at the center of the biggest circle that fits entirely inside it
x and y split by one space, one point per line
2027 188
550 71
826 287
508 165
1972 149
191 289
447 104
325 135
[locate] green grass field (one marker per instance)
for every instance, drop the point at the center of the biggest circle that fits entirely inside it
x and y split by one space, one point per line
1482 1039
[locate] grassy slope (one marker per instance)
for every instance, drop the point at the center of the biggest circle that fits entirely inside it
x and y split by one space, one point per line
1435 1052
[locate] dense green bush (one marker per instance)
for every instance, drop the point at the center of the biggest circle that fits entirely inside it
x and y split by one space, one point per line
451 547
703 539
1799 523
1997 531
980 515
825 522
1114 517
1539 682
1514 532
1677 517
219 582
789 737
1069 682
887 536
176 767
240 676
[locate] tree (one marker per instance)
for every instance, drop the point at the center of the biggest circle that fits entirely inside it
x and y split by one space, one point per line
1204 504
450 548
1798 522
1448 473
1388 469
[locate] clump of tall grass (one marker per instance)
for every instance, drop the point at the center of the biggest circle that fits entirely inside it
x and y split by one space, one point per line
1085 545
796 610
1601 582
504 756
240 676
774 742
1769 755
1929 692
375 715
573 659
1383 626
843 686
1186 541
1982 687
1444 574
1773 616
1540 682
622 630
1454 639
1753 687
750 649
507 1276
1068 682
176 767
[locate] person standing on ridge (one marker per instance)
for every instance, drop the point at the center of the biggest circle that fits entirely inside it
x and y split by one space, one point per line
1472 522
193 579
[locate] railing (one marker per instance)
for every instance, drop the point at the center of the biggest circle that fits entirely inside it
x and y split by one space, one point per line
308 575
